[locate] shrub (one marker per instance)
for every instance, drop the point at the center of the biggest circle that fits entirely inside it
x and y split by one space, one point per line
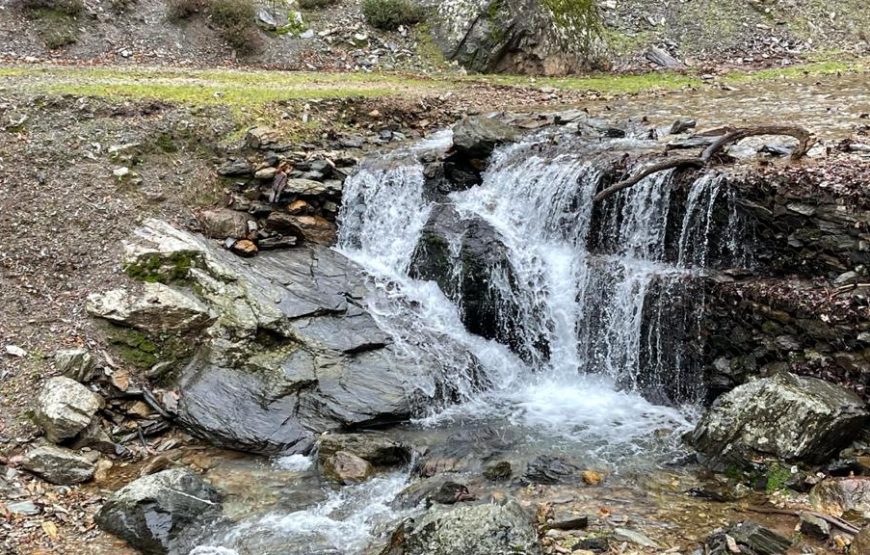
237 22
316 4
68 7
390 14
121 6
182 9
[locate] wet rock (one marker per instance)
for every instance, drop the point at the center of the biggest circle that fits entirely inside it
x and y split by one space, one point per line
223 223
151 512
159 309
312 188
839 496
662 58
64 408
681 126
547 469
565 519
593 544
76 364
375 448
480 529
785 416
498 471
236 168
861 542
291 352
58 465
814 526
244 248
438 489
477 137
748 537
346 468
311 229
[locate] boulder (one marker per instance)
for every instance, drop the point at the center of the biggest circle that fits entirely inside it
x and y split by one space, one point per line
236 168
290 352
311 229
346 468
814 526
476 137
58 465
785 416
64 408
861 542
435 489
480 529
158 309
375 448
223 222
547 469
749 538
76 364
151 512
839 496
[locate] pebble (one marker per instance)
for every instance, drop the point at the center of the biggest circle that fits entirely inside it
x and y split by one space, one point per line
15 351
27 508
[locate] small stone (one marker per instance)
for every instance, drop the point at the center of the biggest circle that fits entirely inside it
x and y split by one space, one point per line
592 477
568 520
498 471
299 208
76 364
15 351
245 248
121 172
266 174
140 409
630 536
101 473
25 508
815 526
347 468
64 408
58 465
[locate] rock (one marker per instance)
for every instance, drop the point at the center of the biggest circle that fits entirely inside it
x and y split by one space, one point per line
449 493
58 465
24 508
300 208
377 449
312 188
64 408
839 496
223 223
266 174
236 168
861 542
593 544
159 309
347 468
266 20
152 511
784 416
312 229
291 352
564 519
814 526
15 351
244 248
263 138
546 469
681 126
631 536
479 529
661 58
477 137
498 471
76 364
121 172
592 477
748 537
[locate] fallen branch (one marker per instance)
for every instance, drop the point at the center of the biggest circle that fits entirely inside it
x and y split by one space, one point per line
705 159
834 521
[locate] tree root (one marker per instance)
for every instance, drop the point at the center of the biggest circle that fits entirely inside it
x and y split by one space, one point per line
803 136
834 521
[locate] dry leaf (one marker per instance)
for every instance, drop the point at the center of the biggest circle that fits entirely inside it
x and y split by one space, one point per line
49 528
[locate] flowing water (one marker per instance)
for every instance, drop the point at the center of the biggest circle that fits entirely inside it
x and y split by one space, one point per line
602 300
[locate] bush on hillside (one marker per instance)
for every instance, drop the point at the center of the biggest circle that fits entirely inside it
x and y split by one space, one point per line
316 4
237 20
68 7
390 14
182 9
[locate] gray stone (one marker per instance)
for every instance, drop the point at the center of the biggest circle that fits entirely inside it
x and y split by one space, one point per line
375 448
632 536
58 465
814 526
312 188
290 352
76 364
64 408
838 496
784 416
159 309
564 519
24 508
236 168
223 222
151 512
477 137
479 529
346 468
749 538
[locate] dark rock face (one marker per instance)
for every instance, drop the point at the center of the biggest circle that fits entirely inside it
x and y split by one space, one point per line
152 512
750 538
480 529
290 351
547 469
786 416
468 278
377 449
477 137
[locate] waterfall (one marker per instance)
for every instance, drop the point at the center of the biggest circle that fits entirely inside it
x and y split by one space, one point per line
600 301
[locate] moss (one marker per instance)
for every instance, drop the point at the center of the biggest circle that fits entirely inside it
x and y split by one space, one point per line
134 347
578 19
777 478
156 268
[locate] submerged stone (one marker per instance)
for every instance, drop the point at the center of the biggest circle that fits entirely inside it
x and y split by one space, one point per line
748 537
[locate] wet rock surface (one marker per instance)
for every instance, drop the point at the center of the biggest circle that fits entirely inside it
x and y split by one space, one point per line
748 537
152 512
785 416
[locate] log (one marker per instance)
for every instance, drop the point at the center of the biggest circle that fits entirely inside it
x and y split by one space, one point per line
805 142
